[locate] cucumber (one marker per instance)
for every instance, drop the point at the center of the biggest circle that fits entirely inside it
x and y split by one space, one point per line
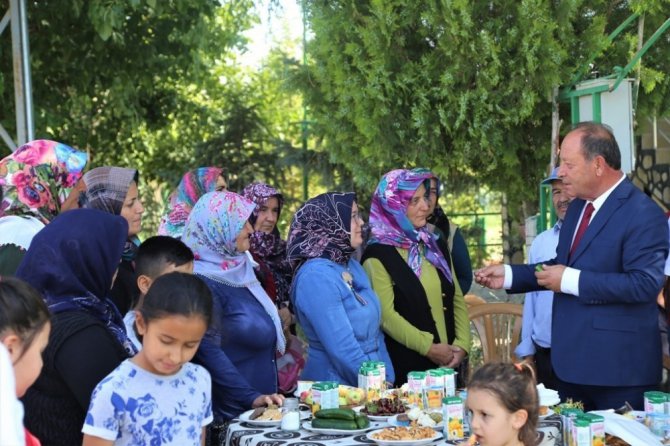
331 423
336 414
362 421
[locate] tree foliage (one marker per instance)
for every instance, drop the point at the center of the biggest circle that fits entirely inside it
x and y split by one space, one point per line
157 85
462 87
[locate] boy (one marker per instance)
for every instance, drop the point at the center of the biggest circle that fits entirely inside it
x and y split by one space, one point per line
156 256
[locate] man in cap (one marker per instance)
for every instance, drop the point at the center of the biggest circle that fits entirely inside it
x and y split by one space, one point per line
535 345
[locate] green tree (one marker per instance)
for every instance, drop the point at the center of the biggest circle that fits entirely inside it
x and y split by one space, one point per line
459 86
158 86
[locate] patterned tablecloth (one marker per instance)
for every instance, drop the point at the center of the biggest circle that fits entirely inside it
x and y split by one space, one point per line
244 434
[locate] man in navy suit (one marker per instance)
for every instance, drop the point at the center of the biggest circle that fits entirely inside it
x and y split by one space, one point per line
608 270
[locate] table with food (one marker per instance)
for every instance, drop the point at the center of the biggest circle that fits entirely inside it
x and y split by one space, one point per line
428 409
386 421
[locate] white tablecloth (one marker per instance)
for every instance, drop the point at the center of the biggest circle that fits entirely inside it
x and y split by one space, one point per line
244 434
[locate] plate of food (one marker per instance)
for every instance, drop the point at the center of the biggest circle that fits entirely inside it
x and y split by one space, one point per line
307 425
382 409
267 416
263 416
404 436
403 420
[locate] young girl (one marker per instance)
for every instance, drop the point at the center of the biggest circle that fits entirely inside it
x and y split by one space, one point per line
503 403
158 397
24 332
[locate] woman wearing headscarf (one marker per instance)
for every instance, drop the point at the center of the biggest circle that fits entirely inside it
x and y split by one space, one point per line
114 190
72 262
193 185
246 333
423 312
267 247
37 183
342 319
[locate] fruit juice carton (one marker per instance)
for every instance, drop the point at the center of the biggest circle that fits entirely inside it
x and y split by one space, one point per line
567 416
581 428
363 376
416 381
304 386
373 387
597 426
654 402
452 414
333 395
449 381
319 396
434 390
381 366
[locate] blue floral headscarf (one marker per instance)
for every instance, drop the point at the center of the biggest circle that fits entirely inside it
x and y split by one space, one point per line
211 232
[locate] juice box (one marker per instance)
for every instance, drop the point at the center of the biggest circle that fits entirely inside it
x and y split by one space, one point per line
581 429
304 386
416 381
452 413
597 427
654 402
381 366
373 388
449 381
319 396
568 415
434 390
333 395
363 376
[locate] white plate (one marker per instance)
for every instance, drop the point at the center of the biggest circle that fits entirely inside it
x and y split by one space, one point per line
393 421
549 412
307 425
266 423
369 435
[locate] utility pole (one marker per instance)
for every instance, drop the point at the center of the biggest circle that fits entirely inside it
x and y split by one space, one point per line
17 17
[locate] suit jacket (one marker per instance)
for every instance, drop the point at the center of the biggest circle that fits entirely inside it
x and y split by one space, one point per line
608 336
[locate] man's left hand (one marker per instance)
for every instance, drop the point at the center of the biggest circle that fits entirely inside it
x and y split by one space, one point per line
550 277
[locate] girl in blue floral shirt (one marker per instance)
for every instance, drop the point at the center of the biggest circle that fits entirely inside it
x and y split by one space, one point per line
157 397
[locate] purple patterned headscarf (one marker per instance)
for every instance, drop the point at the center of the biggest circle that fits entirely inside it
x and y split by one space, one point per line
193 185
211 232
263 244
322 228
391 226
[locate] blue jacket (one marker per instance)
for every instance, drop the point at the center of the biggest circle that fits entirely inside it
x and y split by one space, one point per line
342 332
608 335
238 351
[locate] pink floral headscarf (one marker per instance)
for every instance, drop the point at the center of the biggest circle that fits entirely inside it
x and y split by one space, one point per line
390 225
37 178
193 185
